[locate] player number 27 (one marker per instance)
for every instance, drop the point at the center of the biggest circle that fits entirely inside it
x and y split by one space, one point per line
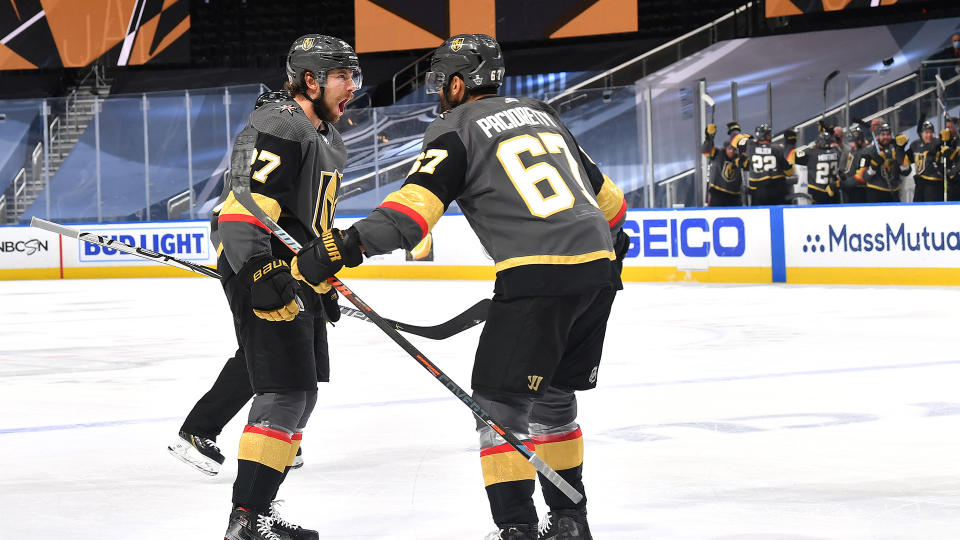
273 161
526 179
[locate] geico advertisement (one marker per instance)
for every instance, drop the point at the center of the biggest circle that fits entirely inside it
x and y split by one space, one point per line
184 240
26 247
909 236
698 238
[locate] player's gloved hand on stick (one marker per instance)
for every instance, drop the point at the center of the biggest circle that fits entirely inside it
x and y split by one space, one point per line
711 130
273 291
901 140
325 256
331 305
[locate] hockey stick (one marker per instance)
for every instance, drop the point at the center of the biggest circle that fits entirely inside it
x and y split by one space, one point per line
243 157
473 316
713 106
941 89
826 81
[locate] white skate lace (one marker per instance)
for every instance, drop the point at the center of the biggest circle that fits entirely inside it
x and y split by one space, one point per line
265 527
544 524
277 518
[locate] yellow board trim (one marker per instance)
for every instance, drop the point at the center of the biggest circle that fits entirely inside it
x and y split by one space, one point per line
716 274
419 199
554 259
874 276
562 455
265 450
29 273
506 467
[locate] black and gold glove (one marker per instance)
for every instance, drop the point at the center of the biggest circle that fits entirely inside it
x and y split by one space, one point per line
901 140
273 291
944 135
711 130
331 305
325 256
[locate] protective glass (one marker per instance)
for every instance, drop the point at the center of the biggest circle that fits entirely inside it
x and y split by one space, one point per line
433 82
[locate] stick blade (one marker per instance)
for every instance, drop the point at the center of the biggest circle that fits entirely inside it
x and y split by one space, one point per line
708 100
940 84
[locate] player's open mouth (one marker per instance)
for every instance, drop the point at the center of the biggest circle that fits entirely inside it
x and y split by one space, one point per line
342 105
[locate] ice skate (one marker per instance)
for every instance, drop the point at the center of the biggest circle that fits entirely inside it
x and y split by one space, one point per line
200 452
514 532
298 460
290 530
249 525
564 525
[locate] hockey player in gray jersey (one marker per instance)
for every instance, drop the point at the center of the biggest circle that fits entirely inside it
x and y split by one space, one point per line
286 166
823 169
552 223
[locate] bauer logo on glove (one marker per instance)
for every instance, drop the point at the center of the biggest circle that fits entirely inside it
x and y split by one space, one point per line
325 256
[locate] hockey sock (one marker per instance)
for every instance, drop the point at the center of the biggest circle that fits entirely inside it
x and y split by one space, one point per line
294 446
563 452
509 481
262 459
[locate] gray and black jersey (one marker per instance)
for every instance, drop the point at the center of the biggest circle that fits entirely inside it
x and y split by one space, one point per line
294 179
926 159
882 169
823 167
540 207
764 162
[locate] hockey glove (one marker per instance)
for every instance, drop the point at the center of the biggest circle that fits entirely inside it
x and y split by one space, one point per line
331 306
273 291
944 135
325 256
711 130
901 140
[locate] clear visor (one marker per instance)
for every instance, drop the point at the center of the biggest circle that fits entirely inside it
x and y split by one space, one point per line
344 74
433 82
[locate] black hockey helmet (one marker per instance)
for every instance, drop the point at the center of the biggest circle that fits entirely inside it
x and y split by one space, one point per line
825 139
319 54
475 58
790 136
733 128
927 126
762 132
855 132
273 96
884 128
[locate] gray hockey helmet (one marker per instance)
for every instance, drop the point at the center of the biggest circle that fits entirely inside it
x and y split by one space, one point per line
476 58
319 54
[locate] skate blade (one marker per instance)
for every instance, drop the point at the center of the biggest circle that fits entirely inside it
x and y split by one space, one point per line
192 457
297 463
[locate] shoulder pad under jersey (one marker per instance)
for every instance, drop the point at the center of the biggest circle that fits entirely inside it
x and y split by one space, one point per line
285 120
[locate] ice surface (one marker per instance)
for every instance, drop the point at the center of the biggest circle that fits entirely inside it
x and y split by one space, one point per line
723 412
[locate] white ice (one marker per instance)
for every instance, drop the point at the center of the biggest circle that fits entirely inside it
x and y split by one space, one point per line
723 412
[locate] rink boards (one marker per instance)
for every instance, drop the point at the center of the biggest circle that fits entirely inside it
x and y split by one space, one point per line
917 244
